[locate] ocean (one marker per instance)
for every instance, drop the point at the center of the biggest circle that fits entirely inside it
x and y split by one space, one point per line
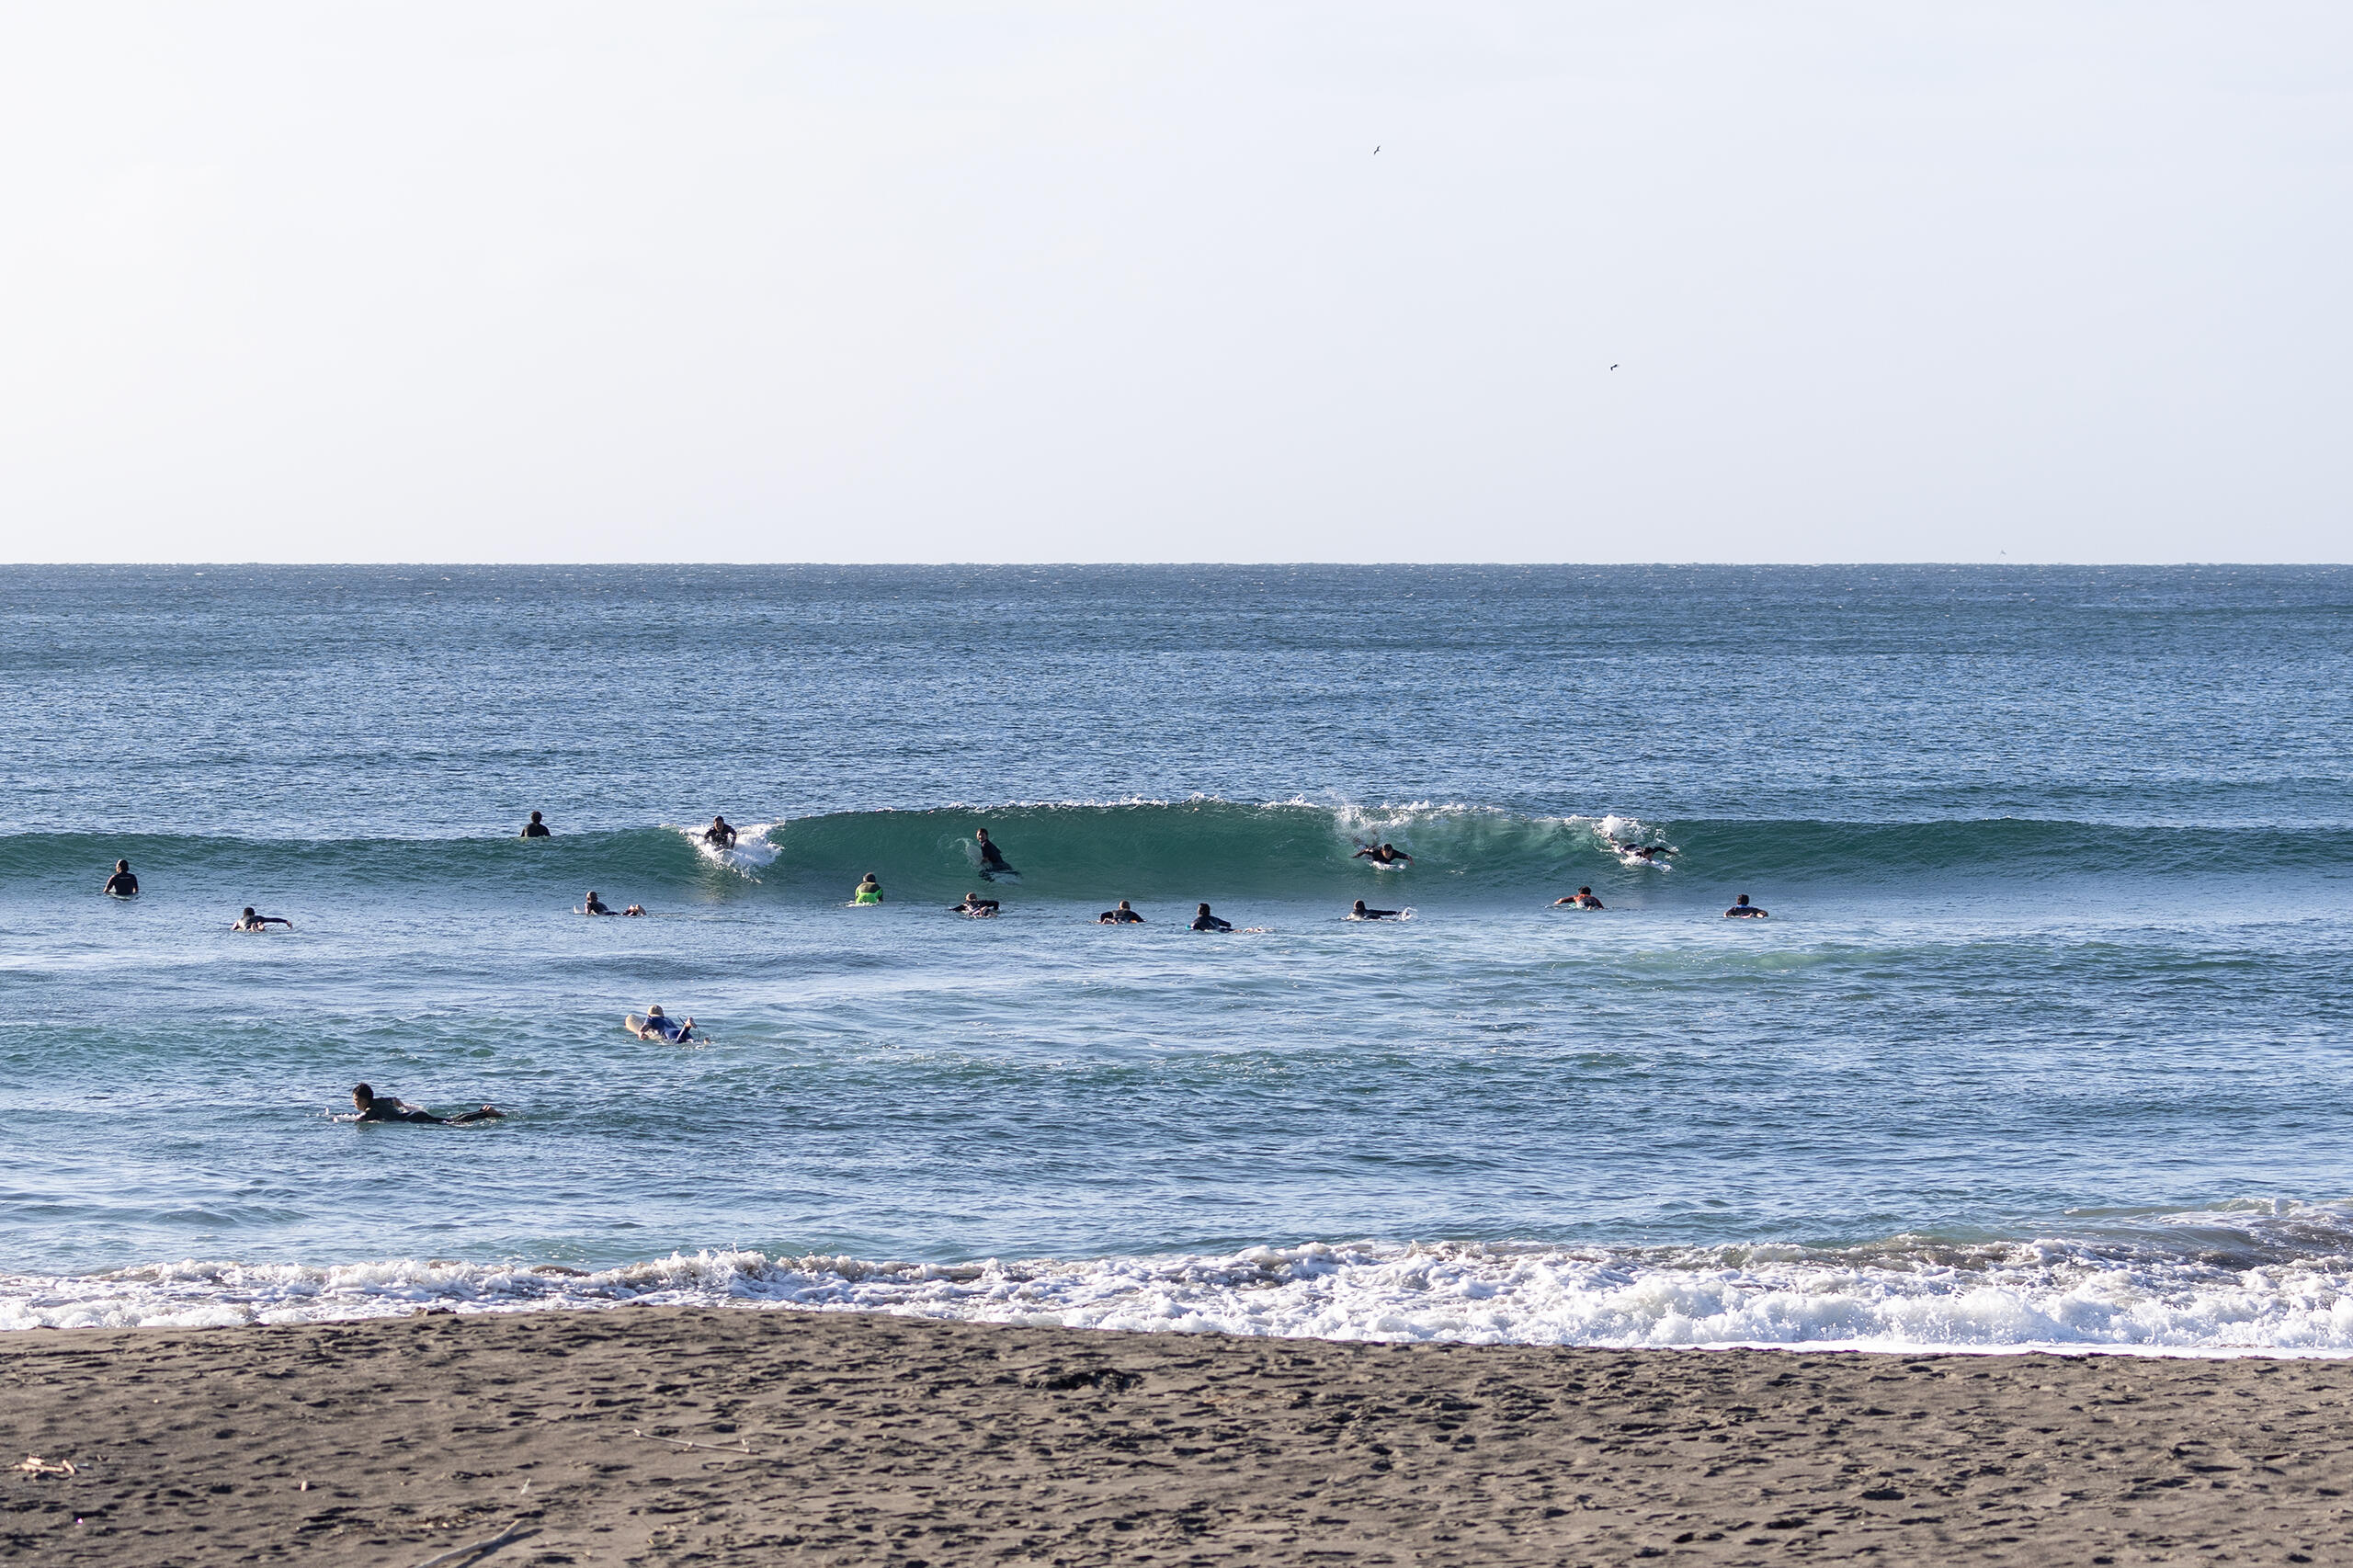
2044 1043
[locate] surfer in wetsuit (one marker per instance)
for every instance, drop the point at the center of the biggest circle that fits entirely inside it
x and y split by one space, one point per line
1204 921
977 906
868 892
249 921
1122 916
595 906
1647 854
1744 910
1583 898
719 836
992 857
373 1107
122 884
1361 913
656 1027
1383 855
535 828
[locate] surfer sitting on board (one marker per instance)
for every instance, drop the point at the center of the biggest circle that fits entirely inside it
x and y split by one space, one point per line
992 857
1204 921
868 892
1122 916
654 1025
1361 913
373 1107
249 921
535 828
1583 898
719 836
1383 855
1744 910
977 906
122 884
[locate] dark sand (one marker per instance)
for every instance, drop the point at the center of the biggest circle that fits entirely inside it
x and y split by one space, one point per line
886 1440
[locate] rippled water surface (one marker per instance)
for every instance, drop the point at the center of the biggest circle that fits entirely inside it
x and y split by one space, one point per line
2045 1040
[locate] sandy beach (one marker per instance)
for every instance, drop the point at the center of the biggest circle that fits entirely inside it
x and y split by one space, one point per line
675 1436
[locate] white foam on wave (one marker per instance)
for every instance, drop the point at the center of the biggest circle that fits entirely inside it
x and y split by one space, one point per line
750 851
2023 1296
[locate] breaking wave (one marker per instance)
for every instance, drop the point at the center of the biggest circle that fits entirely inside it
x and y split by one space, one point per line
2252 1278
1199 848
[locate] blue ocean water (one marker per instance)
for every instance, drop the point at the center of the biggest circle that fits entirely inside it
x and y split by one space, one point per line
2045 1040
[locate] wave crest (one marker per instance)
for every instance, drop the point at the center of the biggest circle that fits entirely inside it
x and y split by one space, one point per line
2255 1279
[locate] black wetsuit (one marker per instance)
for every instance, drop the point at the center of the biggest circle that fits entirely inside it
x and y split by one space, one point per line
1119 917
122 884
1744 912
383 1108
536 830
976 906
1211 923
992 857
1370 913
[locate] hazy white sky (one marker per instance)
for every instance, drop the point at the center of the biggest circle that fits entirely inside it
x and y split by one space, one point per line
1128 282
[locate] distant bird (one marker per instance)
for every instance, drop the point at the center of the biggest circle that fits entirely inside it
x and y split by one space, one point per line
1376 151
1613 367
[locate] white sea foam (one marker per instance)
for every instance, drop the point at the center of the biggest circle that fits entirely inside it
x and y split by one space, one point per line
1898 1296
750 851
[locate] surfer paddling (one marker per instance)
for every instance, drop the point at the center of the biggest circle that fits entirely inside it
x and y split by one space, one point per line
1361 913
1122 916
655 1026
1581 898
1744 910
122 884
977 907
868 892
991 859
719 836
249 921
1204 921
1383 855
373 1107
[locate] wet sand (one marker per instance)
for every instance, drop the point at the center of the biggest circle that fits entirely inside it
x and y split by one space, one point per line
857 1439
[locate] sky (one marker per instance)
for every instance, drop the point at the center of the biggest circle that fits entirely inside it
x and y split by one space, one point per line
1045 282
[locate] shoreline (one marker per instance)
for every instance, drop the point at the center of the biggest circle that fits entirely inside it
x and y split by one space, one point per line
667 1434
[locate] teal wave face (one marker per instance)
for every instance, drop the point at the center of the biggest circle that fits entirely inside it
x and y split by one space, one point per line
1192 851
